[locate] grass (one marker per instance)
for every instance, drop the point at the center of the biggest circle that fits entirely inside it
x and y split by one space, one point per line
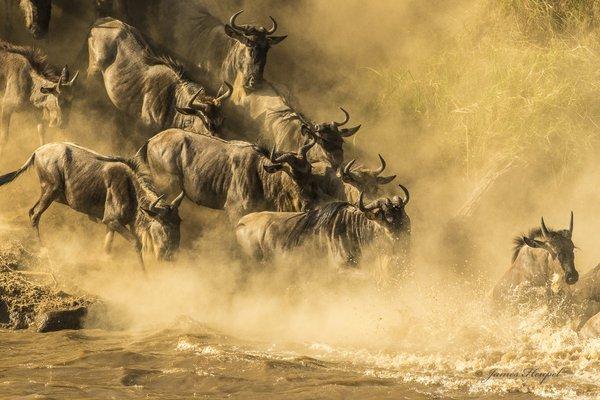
520 82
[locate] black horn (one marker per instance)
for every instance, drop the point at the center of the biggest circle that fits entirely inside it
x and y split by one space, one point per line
544 229
177 201
406 194
273 27
382 167
346 171
155 203
571 225
368 207
233 24
304 149
227 93
346 118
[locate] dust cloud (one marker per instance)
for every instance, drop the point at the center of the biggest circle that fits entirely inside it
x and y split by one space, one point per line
489 125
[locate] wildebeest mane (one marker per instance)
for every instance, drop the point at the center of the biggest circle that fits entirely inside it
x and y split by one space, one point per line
36 58
335 220
140 172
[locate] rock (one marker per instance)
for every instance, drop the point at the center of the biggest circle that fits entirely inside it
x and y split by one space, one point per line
52 321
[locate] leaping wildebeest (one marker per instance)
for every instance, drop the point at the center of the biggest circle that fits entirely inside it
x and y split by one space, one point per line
341 228
152 88
28 81
536 259
108 189
232 175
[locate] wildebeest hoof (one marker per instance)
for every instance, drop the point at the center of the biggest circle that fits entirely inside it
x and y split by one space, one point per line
62 319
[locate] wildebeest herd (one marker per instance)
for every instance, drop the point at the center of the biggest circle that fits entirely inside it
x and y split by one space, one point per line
289 186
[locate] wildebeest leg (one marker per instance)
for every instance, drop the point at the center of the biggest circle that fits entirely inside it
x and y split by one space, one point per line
5 114
49 194
41 128
108 240
116 226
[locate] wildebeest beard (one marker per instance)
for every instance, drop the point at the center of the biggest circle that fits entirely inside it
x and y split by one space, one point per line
37 16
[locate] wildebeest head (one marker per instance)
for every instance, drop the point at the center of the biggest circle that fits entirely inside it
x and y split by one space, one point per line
560 246
56 102
37 16
204 111
297 166
388 212
163 227
364 179
257 41
330 136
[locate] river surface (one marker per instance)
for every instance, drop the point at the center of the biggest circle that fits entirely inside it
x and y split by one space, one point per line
193 361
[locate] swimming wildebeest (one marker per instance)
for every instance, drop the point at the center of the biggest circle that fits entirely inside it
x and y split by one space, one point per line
340 227
108 189
537 257
147 86
37 16
29 81
231 175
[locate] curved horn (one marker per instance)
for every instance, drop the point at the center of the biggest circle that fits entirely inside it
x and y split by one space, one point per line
368 207
346 170
544 229
64 74
571 225
304 149
70 83
177 201
59 84
346 118
382 167
153 205
193 99
273 28
227 94
232 21
406 194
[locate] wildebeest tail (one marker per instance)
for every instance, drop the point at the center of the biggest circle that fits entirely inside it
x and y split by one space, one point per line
11 176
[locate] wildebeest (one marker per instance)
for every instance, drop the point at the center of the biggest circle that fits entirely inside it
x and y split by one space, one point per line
29 81
148 86
108 189
232 175
359 179
258 108
37 16
340 227
537 257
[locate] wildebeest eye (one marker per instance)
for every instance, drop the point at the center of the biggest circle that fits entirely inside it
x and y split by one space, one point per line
187 123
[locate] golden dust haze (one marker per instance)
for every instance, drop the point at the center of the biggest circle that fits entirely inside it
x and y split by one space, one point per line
489 122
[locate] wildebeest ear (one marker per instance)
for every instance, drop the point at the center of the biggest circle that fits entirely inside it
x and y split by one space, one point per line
47 90
229 31
186 110
149 213
273 168
273 40
382 180
536 244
